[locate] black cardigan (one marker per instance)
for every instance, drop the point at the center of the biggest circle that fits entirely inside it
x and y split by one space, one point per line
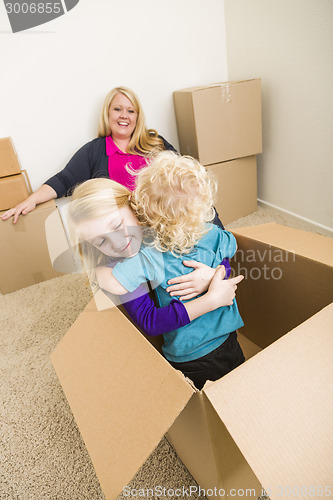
89 162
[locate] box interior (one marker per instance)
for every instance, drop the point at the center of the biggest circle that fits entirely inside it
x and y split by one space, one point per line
289 268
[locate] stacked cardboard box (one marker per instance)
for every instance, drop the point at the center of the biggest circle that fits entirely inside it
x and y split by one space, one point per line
24 250
267 424
221 126
24 253
14 182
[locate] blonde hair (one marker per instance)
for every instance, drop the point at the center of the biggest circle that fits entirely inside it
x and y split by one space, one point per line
90 200
143 140
174 195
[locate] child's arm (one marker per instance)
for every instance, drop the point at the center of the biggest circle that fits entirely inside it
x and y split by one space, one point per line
108 282
153 320
190 285
159 320
220 293
196 282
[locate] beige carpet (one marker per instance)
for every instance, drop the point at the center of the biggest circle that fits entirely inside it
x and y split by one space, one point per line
42 456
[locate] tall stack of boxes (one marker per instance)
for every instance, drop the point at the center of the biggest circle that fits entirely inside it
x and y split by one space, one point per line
221 126
14 182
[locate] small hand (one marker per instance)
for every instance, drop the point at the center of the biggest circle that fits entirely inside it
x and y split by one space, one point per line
222 292
196 282
23 208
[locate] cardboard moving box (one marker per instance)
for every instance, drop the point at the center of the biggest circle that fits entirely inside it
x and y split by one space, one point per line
289 268
13 190
219 122
24 255
9 163
237 188
266 423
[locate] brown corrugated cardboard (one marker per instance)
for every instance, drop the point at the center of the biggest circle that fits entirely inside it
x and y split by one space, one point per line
278 408
123 394
13 190
266 423
220 122
24 256
289 268
9 164
237 188
62 256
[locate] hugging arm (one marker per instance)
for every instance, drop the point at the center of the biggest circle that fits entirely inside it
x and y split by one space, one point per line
197 281
108 282
155 320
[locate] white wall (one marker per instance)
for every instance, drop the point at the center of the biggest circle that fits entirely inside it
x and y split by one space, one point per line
289 44
54 77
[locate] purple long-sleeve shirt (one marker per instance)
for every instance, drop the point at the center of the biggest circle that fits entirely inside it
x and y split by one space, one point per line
153 320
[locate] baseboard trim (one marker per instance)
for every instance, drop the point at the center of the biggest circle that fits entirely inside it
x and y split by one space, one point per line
298 217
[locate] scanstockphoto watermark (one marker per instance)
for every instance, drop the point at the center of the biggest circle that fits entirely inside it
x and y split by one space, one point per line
188 492
25 14
256 264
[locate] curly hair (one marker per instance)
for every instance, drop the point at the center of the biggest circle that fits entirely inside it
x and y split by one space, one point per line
143 140
174 196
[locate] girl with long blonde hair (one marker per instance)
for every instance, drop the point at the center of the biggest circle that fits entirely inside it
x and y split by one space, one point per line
174 200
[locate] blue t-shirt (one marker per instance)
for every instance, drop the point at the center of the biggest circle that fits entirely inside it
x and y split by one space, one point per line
209 331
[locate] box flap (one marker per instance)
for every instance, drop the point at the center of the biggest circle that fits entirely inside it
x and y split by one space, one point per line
123 394
9 164
310 245
63 257
278 407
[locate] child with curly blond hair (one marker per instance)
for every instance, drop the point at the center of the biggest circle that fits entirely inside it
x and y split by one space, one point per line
174 198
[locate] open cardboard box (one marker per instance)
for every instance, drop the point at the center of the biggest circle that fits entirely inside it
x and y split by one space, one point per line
266 424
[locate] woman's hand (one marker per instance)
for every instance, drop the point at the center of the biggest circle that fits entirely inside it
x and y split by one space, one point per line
190 285
23 208
44 193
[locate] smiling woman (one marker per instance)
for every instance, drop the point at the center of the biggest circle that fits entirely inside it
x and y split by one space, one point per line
123 139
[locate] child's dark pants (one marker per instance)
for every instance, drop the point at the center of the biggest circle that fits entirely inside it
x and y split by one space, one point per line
215 364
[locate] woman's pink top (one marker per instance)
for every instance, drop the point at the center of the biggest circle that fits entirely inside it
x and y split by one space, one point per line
118 161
